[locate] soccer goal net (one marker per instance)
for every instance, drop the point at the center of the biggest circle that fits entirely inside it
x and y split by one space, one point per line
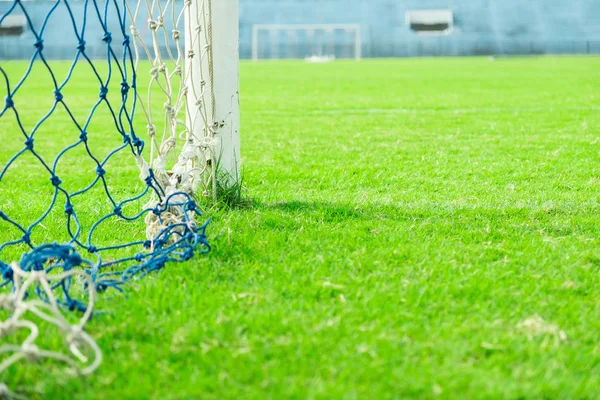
312 42
118 117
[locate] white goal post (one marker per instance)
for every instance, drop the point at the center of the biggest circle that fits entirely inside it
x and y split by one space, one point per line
307 41
217 74
214 83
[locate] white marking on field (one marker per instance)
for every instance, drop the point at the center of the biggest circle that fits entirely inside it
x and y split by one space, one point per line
472 110
536 326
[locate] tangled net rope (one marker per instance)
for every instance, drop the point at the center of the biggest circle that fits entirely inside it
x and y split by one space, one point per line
81 353
52 277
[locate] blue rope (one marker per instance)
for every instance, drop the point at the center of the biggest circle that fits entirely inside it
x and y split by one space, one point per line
177 242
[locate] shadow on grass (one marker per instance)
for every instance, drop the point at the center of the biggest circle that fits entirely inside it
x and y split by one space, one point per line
334 211
499 213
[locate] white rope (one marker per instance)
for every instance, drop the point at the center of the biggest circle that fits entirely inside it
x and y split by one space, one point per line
81 353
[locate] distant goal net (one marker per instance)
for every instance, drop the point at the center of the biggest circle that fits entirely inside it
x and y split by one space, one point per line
311 42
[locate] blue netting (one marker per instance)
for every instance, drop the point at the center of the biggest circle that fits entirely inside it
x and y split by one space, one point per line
175 242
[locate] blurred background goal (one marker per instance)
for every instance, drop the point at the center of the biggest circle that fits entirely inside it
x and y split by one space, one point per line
306 41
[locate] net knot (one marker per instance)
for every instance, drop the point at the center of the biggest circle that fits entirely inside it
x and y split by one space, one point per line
75 334
58 95
126 40
118 210
101 287
73 260
190 205
153 24
107 38
178 71
55 180
83 136
148 244
39 44
100 171
73 305
149 180
151 130
69 209
26 238
176 34
103 92
9 102
31 351
188 3
29 143
133 30
124 87
7 271
138 143
191 54
81 45
8 303
92 249
170 110
214 127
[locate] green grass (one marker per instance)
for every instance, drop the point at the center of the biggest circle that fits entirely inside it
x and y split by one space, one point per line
408 218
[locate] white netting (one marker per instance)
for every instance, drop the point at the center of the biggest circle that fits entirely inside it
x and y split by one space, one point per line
175 67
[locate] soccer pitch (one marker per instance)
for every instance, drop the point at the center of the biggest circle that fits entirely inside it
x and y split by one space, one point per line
417 228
